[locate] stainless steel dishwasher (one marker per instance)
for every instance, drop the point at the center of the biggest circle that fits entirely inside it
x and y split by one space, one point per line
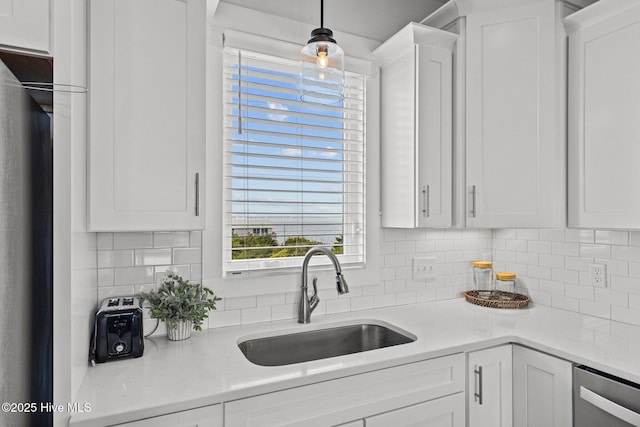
602 400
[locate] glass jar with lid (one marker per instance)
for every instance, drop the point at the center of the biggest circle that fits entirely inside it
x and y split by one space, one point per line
482 277
506 282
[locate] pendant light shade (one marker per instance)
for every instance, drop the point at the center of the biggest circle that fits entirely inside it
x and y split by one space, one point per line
322 67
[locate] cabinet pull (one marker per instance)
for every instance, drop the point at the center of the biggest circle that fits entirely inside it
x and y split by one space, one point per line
197 194
426 205
478 396
473 201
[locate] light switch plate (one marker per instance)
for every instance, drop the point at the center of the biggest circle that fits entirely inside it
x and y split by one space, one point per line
424 268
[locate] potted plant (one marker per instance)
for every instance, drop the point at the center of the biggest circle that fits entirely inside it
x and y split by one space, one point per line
181 305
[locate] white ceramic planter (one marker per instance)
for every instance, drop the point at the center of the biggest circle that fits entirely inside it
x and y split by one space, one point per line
179 330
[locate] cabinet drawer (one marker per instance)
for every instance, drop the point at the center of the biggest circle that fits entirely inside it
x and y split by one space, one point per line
346 399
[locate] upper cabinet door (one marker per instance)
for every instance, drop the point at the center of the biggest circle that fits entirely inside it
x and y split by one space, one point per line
604 115
25 25
515 151
146 114
416 127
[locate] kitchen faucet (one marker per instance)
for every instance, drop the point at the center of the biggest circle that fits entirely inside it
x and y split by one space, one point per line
307 305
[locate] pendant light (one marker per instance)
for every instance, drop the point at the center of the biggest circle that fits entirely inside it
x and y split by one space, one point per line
322 67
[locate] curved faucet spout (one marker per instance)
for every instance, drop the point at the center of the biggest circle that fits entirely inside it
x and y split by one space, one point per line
307 305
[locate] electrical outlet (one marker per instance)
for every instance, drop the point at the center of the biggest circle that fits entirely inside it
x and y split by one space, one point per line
487 256
598 275
424 268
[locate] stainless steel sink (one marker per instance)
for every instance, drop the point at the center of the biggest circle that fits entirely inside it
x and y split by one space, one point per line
323 343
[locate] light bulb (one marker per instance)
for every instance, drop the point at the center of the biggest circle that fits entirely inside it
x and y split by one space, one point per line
322 59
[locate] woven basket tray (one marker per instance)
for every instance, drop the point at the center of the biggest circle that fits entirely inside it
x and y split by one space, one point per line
498 299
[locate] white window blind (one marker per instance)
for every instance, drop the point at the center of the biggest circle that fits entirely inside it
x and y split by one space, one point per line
293 171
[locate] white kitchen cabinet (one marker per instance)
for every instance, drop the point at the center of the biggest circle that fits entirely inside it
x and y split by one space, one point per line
489 394
510 111
146 114
208 416
25 26
357 397
542 389
604 106
444 412
515 151
416 127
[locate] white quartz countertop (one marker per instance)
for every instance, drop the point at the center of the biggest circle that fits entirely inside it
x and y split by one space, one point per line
209 367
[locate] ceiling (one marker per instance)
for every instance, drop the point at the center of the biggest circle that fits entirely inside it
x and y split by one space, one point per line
373 19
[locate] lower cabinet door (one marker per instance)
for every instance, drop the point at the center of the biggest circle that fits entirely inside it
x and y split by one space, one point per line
356 397
444 412
490 384
209 416
542 389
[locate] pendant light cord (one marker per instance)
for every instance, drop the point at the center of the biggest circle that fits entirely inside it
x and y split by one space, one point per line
321 13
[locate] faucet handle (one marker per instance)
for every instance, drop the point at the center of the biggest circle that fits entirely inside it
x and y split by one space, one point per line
314 300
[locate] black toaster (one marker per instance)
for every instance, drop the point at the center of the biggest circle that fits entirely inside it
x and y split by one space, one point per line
117 332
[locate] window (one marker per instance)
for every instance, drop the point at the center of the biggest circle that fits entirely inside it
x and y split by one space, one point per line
293 170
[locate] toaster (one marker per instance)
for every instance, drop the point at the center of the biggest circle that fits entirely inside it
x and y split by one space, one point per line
117 332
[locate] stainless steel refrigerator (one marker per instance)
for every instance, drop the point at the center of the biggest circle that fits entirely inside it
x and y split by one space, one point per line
26 255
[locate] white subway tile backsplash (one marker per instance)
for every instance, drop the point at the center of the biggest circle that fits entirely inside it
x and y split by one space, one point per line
579 236
118 258
106 276
256 315
284 311
625 253
104 241
567 255
552 235
173 239
561 248
133 275
612 237
271 299
339 305
625 284
236 303
539 247
595 251
152 257
625 315
362 303
634 238
552 267
220 319
132 240
384 300
565 303
595 309
610 297
187 256
527 234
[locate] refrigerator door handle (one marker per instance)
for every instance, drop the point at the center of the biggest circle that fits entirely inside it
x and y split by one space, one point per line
610 407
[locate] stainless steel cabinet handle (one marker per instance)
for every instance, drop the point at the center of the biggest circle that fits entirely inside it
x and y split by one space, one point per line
478 396
473 201
425 201
610 407
197 194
